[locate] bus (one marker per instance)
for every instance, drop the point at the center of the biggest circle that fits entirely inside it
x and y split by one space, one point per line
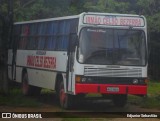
89 53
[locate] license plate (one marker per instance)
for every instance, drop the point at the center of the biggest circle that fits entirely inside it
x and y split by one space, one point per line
112 89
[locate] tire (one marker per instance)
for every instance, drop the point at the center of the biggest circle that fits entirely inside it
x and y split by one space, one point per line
25 85
119 100
65 100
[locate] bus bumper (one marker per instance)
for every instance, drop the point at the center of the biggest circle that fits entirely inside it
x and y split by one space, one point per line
111 89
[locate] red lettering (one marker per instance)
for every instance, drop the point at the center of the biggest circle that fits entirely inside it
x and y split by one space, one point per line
36 61
113 20
30 61
49 62
45 62
90 20
40 61
93 20
53 62
110 21
106 20
130 22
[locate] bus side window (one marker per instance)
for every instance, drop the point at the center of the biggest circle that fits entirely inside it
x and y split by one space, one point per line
41 34
30 38
54 35
24 37
67 34
31 43
41 43
49 42
59 35
63 35
22 43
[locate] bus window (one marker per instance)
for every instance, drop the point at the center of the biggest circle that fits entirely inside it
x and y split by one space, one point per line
41 43
25 30
23 43
41 29
49 43
33 29
62 42
49 30
63 35
32 43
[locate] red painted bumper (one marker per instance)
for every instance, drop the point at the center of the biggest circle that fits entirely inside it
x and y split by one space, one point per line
102 88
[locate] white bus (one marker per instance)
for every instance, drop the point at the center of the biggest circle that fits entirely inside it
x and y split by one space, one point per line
101 53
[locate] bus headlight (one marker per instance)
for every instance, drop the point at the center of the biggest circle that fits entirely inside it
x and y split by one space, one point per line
135 81
84 79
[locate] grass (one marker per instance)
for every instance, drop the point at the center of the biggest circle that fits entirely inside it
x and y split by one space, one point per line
16 98
153 97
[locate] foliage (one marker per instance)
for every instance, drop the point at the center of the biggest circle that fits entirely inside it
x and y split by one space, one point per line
15 98
153 97
37 9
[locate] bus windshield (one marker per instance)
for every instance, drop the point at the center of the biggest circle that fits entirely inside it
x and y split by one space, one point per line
112 46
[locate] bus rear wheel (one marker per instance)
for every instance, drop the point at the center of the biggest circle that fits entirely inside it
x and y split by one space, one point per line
65 99
25 85
120 100
28 89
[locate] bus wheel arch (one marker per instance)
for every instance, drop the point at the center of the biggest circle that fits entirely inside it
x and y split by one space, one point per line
27 89
59 78
65 100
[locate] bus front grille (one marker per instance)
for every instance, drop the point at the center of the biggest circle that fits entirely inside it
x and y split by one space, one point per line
110 72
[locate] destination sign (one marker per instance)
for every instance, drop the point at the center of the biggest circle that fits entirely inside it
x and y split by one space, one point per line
112 20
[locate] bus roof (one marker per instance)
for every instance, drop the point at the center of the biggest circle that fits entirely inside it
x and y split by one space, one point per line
48 19
115 14
77 16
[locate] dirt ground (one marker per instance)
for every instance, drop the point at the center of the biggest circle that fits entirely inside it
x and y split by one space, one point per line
99 107
96 109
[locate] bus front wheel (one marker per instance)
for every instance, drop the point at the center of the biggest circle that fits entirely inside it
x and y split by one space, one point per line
65 99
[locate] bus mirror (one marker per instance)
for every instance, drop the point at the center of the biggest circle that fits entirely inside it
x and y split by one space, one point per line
74 42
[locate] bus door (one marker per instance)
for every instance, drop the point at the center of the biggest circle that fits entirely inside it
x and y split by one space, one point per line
71 56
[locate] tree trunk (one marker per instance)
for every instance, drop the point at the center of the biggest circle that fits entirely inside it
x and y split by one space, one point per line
3 73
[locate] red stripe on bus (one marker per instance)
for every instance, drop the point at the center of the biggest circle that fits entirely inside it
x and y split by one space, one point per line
102 88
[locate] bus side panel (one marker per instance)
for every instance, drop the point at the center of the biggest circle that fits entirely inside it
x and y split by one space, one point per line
41 78
44 76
